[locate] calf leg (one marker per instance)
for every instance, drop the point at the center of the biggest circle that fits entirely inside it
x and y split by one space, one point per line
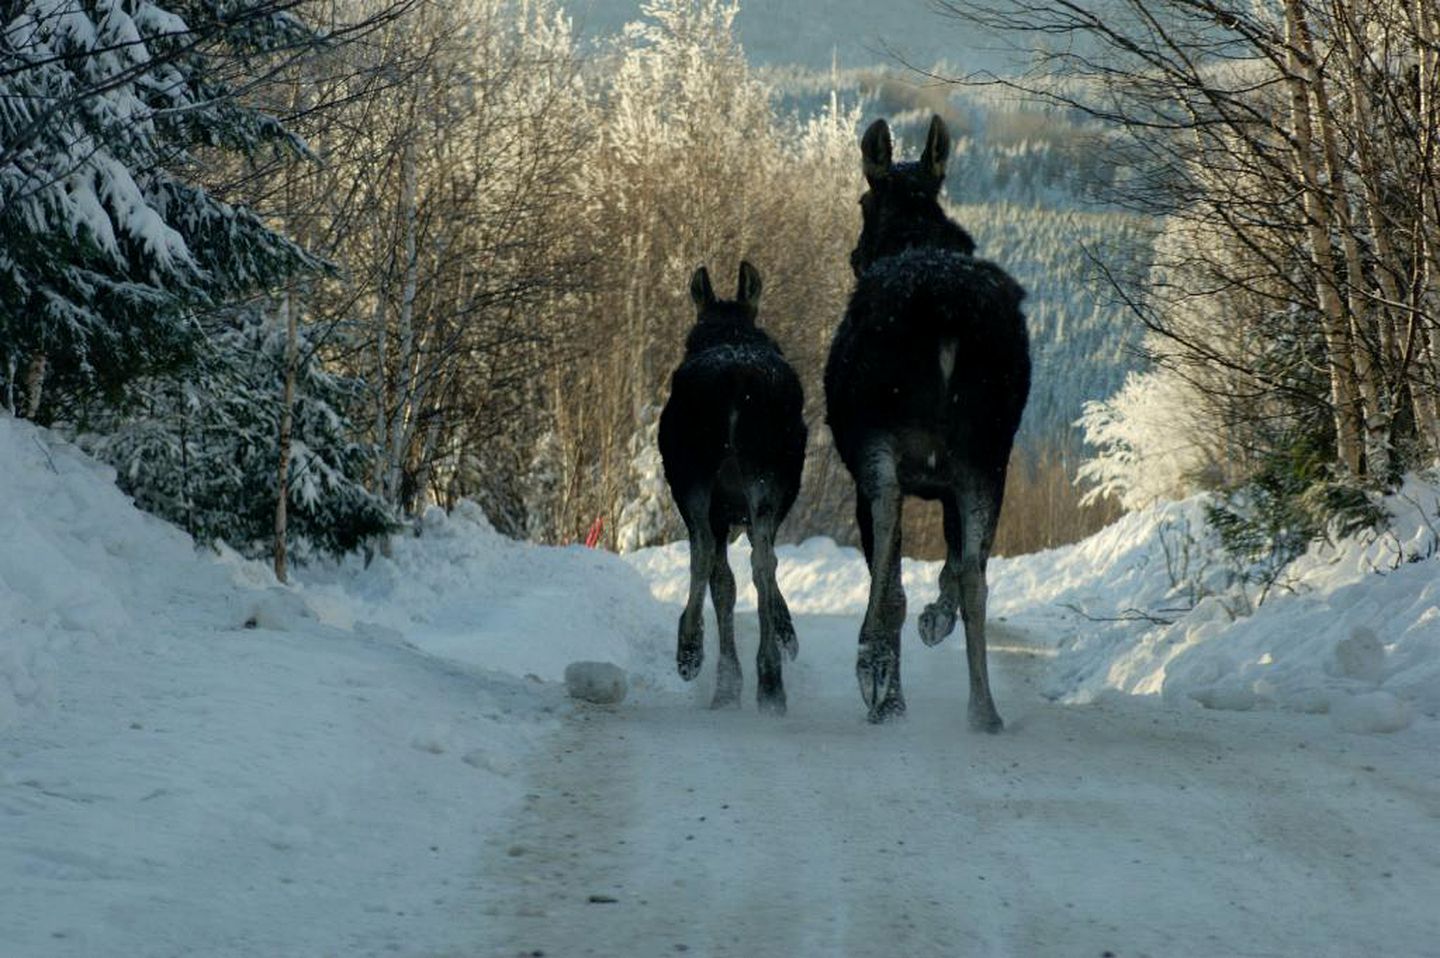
770 693
981 511
938 619
728 679
878 665
690 645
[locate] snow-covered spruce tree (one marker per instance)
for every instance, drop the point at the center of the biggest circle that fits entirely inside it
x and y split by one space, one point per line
200 449
110 241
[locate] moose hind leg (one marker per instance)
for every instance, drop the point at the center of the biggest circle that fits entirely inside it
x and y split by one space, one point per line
980 515
728 678
770 691
938 619
690 643
877 667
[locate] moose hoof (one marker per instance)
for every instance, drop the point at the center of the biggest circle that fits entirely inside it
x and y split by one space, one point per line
875 669
688 660
985 719
936 622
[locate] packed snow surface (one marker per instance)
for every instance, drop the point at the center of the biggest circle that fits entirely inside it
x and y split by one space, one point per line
382 759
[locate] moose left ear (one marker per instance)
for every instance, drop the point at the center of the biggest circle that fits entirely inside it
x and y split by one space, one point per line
749 292
937 149
875 152
701 291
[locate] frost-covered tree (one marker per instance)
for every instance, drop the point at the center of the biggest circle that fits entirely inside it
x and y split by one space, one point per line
1151 441
112 241
459 166
694 164
1296 141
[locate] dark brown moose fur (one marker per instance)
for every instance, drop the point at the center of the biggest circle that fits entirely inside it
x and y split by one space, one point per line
925 385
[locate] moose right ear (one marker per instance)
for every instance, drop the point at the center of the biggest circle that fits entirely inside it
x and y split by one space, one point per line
700 289
748 294
876 151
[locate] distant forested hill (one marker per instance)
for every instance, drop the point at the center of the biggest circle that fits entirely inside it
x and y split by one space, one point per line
805 33
1082 341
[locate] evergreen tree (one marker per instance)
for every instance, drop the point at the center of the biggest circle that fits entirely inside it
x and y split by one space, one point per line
111 242
200 449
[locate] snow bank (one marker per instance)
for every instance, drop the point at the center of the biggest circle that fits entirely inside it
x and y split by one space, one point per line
164 709
460 590
78 564
1149 606
1353 629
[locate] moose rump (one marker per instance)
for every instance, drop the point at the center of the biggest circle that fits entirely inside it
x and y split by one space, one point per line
931 362
732 439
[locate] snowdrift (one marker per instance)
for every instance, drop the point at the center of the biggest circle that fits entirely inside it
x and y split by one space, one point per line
1148 606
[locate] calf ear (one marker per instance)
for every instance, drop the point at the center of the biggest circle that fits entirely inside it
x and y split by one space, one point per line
700 289
749 293
875 151
937 149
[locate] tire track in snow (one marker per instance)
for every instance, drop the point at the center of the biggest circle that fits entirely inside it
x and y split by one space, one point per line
1124 827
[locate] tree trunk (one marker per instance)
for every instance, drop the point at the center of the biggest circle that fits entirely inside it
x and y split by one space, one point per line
1364 325
403 415
1408 354
287 407
1332 308
1423 296
35 384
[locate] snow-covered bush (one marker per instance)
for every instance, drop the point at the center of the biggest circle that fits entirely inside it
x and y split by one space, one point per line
650 518
1151 442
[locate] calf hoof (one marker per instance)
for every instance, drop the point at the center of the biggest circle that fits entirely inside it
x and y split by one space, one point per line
688 659
876 669
727 685
984 718
771 703
785 635
936 622
892 707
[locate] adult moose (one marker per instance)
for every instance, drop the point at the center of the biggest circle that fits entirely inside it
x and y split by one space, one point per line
926 381
732 438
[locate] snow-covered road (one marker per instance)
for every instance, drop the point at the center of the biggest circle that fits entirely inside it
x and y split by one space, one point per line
380 760
1125 827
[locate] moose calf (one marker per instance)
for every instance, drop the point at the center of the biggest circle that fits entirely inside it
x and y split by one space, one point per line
733 442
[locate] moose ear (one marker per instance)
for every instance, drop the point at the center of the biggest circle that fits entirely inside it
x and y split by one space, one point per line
937 149
749 293
700 289
875 152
